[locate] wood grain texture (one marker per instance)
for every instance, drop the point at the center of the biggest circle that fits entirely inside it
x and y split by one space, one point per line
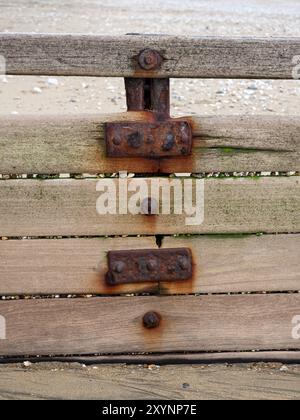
239 264
70 266
203 57
221 265
114 324
58 381
75 144
68 207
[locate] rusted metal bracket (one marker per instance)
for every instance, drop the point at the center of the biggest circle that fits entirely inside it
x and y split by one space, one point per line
149 266
160 136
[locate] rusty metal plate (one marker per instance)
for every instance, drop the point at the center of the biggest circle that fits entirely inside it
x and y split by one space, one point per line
149 266
150 139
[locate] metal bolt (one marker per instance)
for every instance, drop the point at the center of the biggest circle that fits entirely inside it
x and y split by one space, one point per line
184 151
117 141
135 140
172 268
152 265
169 142
151 320
183 262
110 278
149 60
119 267
149 206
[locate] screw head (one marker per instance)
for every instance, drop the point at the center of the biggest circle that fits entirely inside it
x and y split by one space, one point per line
135 140
149 60
169 142
117 141
151 320
110 278
119 267
152 265
183 262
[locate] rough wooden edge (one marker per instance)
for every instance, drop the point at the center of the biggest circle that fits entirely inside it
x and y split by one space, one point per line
204 57
76 144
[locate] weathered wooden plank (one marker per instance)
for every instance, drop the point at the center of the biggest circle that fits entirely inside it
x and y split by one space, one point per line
68 207
114 324
70 266
204 57
221 265
58 381
239 263
75 144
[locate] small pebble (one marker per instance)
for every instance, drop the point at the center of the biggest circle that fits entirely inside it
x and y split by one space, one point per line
52 81
27 364
37 90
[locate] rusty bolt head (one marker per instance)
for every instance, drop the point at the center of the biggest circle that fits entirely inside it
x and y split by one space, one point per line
117 141
183 262
149 60
135 140
152 265
184 151
110 278
119 267
151 320
169 142
172 268
149 206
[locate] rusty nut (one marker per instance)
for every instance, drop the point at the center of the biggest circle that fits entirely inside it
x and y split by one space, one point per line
149 60
151 320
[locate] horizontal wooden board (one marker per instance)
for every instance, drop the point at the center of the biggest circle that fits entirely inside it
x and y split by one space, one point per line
68 207
75 144
204 57
114 324
58 381
66 266
239 263
221 265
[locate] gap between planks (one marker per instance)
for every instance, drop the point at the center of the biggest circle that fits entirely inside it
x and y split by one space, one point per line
288 357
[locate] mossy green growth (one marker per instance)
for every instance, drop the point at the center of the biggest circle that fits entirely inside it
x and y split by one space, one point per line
231 150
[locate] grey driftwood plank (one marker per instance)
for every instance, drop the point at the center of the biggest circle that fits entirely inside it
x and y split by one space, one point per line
204 57
68 208
75 144
238 263
114 325
74 382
